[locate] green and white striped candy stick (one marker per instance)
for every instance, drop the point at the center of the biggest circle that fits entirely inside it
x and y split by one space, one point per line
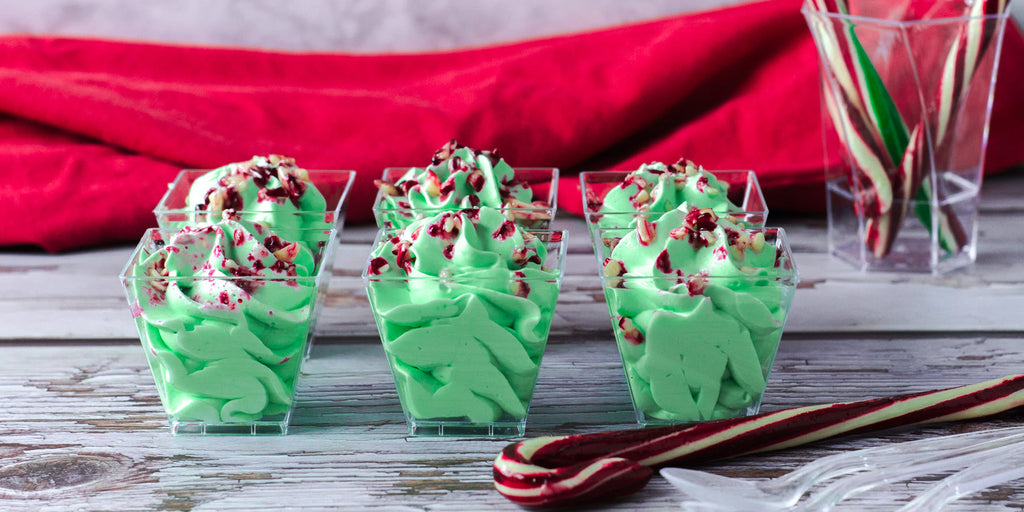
872 116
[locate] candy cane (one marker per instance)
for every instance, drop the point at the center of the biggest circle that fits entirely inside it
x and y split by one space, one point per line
958 70
881 230
970 44
564 470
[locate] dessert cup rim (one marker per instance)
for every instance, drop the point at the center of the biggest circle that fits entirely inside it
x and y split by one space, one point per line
562 252
903 23
162 208
553 194
781 241
330 236
752 186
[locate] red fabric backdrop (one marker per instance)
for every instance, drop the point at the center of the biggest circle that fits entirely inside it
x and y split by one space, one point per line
91 131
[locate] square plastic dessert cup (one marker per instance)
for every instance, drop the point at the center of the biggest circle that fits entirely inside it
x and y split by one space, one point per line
744 191
699 347
543 182
221 373
465 351
172 212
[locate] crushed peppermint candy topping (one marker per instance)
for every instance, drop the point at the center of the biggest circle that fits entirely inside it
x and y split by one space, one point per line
646 231
378 266
504 231
630 332
697 284
519 287
663 263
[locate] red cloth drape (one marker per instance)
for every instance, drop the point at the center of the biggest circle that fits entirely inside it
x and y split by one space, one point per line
91 131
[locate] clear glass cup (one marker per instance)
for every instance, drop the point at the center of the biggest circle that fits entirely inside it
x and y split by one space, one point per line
226 372
172 212
543 182
906 100
465 351
698 347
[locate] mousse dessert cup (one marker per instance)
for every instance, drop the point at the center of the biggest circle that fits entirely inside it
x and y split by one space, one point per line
225 311
298 204
618 199
271 190
697 304
461 178
463 303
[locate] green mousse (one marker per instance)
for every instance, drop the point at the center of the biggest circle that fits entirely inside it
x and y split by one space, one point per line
464 305
458 177
270 190
223 310
698 304
658 188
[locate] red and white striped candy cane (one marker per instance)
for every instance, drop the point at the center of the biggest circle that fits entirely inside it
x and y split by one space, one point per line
563 470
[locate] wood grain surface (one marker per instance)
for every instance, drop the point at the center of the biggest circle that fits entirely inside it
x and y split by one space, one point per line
81 427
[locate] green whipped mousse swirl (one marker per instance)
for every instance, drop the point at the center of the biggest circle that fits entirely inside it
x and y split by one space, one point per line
457 178
698 304
270 190
658 188
224 312
464 305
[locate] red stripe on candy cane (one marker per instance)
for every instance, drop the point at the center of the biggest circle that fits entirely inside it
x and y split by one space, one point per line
551 471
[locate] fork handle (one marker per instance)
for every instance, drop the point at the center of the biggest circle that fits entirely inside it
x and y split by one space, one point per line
994 471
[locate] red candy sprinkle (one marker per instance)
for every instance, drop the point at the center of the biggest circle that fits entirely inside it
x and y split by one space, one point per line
403 258
504 231
696 222
663 263
476 180
696 286
630 331
702 219
702 183
721 252
407 185
521 288
646 231
447 187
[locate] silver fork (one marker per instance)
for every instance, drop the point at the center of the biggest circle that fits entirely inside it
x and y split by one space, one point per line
946 452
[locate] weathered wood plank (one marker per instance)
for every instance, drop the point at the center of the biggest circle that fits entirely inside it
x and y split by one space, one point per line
89 302
88 418
78 296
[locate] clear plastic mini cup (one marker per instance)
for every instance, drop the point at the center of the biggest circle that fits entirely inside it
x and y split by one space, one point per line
699 347
221 367
172 212
465 350
744 191
536 215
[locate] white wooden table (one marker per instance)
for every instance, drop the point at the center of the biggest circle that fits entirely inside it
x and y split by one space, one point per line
81 427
